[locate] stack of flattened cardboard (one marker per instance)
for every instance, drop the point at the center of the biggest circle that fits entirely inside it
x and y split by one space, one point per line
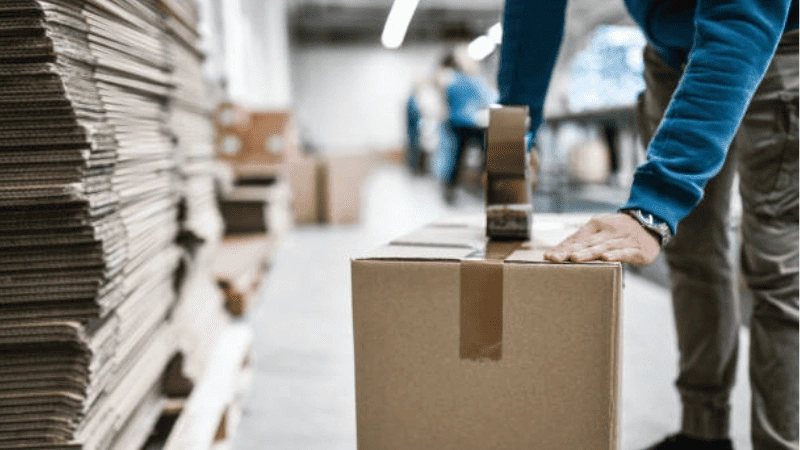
89 220
190 118
132 73
62 238
200 309
64 243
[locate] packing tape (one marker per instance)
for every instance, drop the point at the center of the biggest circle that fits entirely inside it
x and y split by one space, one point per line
482 302
505 141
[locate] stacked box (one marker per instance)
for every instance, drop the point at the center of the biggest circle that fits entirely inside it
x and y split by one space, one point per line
255 137
259 205
328 189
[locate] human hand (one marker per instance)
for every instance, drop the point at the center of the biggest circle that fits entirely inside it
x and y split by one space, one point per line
615 237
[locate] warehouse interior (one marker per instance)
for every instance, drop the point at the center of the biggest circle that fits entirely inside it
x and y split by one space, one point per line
192 191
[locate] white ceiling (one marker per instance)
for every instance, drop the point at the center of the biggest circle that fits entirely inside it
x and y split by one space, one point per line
348 20
440 4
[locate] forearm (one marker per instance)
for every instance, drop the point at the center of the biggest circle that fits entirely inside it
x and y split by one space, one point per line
532 33
734 44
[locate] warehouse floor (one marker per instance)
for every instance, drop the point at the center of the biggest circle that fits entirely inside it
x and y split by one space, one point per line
303 393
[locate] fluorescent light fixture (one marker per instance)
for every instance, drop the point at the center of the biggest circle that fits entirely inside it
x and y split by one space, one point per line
495 33
394 32
480 48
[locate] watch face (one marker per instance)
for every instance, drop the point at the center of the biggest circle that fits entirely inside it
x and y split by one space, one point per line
653 224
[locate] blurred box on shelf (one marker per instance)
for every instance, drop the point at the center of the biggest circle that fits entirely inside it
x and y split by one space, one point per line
304 178
231 118
265 137
257 205
341 179
328 188
464 344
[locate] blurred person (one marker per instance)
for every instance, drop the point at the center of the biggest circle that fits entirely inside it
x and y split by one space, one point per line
413 125
468 98
721 92
427 113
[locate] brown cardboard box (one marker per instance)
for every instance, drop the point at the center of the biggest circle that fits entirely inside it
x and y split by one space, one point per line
340 181
256 207
269 137
231 118
303 176
328 189
463 346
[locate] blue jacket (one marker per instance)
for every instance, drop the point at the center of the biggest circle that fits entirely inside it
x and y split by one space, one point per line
725 47
466 97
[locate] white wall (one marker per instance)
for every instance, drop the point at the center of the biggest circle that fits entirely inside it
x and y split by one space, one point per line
247 45
351 97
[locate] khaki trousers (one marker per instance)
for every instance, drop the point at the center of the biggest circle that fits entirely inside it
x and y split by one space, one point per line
765 152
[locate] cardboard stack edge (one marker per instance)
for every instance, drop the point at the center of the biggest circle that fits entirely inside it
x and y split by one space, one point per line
108 218
464 344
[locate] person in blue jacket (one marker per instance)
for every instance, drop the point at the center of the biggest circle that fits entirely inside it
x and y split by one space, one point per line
412 130
468 99
721 94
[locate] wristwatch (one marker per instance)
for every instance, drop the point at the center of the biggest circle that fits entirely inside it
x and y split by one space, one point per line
652 224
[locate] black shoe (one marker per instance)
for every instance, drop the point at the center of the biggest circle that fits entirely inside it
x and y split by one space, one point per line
450 195
683 442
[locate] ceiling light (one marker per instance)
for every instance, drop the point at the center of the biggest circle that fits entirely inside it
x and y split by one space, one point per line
495 33
394 32
480 48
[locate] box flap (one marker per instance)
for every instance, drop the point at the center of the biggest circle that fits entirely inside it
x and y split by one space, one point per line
416 252
458 238
434 236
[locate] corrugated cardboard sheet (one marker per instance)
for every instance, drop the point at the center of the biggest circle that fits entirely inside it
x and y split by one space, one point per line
100 102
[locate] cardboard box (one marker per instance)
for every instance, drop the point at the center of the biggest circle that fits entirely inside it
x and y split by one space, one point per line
304 179
231 118
341 179
328 189
257 206
268 137
271 137
464 345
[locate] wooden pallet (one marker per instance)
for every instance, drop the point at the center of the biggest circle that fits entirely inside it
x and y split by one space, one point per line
208 417
239 267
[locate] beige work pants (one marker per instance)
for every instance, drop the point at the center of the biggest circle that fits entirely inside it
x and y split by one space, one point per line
765 152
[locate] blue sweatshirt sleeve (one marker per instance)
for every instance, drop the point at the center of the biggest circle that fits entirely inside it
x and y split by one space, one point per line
532 33
734 43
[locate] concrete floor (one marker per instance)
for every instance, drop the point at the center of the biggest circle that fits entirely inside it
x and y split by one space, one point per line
302 396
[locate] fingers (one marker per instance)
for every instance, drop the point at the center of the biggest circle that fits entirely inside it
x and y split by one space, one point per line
577 242
595 252
562 251
616 238
625 255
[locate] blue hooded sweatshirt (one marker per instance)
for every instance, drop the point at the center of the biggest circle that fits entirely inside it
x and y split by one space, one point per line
724 48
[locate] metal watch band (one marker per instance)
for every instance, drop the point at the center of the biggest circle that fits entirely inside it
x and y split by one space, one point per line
652 224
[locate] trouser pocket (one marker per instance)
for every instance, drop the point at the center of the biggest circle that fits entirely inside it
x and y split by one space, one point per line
768 140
